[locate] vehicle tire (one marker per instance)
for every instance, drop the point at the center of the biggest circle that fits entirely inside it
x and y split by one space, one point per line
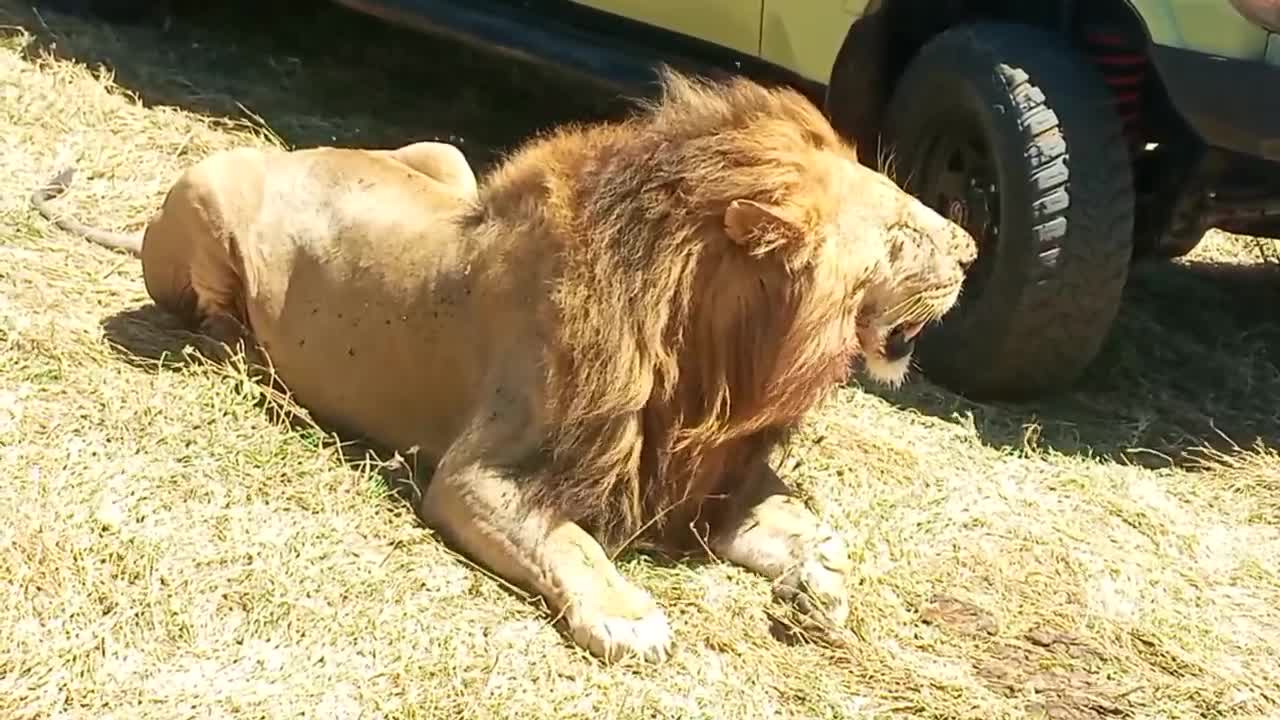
1004 128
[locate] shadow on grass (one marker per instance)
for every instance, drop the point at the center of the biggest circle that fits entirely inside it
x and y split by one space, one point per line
149 337
316 73
1193 361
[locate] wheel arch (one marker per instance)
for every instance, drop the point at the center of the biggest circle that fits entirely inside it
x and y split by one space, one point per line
887 35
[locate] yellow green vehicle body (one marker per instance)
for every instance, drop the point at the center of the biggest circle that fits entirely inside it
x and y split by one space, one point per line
805 37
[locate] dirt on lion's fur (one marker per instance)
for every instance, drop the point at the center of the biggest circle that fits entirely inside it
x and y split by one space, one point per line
170 550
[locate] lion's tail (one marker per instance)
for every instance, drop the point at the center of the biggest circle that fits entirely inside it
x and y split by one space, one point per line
57 185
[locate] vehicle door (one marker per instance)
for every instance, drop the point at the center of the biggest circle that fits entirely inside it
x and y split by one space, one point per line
805 35
734 24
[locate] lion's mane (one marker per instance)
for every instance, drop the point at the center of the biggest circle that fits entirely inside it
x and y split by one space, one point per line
674 357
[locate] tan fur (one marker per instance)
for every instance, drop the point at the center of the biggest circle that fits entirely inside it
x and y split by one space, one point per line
600 345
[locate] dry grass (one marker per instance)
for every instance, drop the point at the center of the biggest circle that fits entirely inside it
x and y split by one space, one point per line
168 551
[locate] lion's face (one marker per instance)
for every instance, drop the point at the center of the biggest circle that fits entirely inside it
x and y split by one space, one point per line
916 277
881 265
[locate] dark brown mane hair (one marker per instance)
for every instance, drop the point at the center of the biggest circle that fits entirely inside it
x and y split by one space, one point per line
677 356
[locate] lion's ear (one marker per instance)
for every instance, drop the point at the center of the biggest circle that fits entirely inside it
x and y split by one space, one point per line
759 227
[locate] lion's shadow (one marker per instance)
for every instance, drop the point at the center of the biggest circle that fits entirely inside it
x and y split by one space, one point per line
1193 362
149 337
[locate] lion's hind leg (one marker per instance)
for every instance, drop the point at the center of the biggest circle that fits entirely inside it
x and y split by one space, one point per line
229 336
442 162
192 261
480 509
775 535
202 286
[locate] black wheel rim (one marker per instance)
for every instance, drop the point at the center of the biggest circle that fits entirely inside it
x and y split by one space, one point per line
957 177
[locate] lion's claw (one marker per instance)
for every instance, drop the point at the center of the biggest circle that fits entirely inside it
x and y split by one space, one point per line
815 589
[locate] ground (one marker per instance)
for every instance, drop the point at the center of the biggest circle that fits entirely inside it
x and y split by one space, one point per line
169 550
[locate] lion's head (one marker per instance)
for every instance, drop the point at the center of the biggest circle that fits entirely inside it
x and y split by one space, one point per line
918 274
720 259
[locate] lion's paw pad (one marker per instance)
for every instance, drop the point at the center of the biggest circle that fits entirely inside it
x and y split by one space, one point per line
614 638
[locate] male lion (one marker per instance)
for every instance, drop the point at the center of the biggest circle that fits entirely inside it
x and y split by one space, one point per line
600 345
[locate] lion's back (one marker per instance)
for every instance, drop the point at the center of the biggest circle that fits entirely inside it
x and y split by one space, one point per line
365 300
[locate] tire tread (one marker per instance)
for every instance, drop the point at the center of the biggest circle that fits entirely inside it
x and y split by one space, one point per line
1080 219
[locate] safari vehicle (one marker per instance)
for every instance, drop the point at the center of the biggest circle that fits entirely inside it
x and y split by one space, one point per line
1069 136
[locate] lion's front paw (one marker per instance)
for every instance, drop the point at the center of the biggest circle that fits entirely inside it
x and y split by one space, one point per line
815 589
615 638
631 626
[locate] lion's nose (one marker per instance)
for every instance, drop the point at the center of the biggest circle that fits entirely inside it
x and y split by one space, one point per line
946 234
963 246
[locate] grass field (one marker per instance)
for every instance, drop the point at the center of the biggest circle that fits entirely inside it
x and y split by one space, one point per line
167 550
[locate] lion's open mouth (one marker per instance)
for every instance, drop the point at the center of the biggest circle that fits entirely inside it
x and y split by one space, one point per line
901 341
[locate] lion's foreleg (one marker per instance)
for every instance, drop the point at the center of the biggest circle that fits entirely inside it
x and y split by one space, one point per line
773 534
480 509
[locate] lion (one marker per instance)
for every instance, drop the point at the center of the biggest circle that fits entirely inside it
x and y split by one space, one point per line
598 345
